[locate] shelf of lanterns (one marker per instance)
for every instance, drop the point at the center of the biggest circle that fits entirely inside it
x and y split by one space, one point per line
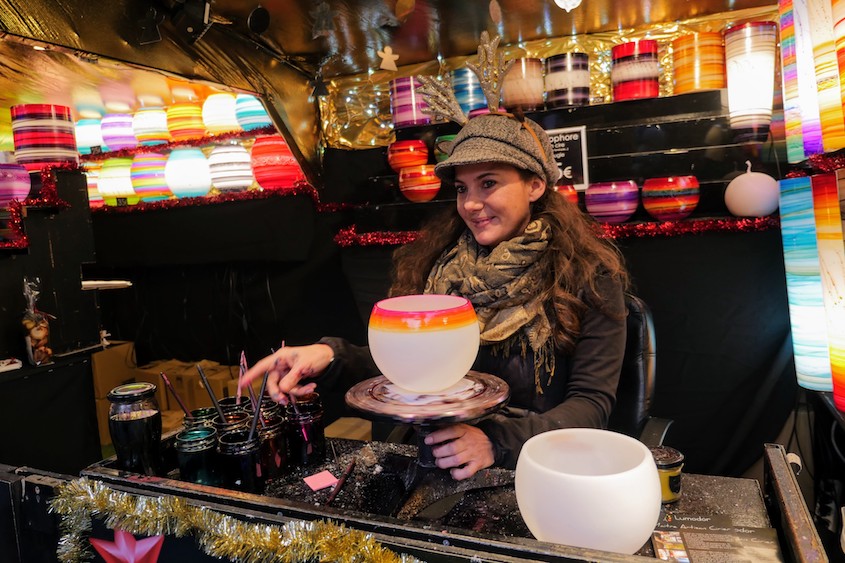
223 146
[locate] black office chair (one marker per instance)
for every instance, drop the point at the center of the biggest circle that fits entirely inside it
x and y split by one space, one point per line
635 393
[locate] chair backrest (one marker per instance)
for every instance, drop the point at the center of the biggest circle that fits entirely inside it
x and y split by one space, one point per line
636 382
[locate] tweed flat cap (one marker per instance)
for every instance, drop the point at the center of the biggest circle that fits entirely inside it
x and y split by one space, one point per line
500 138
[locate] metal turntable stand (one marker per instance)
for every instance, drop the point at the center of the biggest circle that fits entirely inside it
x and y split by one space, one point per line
476 395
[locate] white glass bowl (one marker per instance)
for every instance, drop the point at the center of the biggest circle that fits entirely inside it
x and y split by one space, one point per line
589 488
424 343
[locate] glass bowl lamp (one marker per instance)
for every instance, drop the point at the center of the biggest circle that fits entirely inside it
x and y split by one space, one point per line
273 163
115 182
424 343
148 178
184 121
231 168
250 113
219 115
187 173
14 183
607 482
150 126
43 135
89 136
117 131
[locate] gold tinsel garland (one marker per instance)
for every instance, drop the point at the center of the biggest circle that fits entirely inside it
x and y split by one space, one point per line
217 534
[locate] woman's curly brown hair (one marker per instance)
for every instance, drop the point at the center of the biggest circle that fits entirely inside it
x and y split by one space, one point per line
575 259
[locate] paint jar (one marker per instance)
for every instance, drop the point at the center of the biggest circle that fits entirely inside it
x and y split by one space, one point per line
305 431
135 428
239 461
273 445
238 420
200 417
669 462
196 454
235 404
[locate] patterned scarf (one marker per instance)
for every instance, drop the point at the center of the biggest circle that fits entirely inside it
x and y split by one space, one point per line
503 286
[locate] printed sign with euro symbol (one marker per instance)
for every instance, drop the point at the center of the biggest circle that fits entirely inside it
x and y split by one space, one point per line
569 145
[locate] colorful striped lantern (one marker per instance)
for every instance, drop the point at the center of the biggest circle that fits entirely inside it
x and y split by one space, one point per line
635 70
468 91
187 173
670 198
14 183
184 121
612 202
150 126
250 113
698 62
406 105
117 131
115 182
148 178
273 163
419 183
750 53
219 113
832 266
92 178
231 168
402 154
804 285
89 136
827 73
43 135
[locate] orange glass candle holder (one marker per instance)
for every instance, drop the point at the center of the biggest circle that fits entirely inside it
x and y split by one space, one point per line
404 154
419 183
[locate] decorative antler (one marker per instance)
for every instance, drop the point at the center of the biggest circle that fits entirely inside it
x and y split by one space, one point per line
441 100
491 69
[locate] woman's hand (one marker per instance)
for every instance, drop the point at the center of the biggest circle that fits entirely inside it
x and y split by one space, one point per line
463 448
287 367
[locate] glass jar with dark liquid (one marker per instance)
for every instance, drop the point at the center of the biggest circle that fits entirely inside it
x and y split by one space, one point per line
240 461
135 428
305 430
196 454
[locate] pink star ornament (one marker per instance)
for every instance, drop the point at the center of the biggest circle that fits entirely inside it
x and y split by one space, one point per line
126 549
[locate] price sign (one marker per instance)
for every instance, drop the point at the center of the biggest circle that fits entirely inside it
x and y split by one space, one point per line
569 145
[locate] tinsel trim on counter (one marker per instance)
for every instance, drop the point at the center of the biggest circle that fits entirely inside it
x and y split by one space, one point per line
217 534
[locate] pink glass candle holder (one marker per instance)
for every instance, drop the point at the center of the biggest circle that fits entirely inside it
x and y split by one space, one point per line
404 154
670 198
43 135
406 105
612 202
14 183
419 183
635 71
523 85
424 343
698 61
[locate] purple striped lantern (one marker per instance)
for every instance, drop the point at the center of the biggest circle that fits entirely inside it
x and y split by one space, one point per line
670 198
117 132
612 202
147 174
43 135
14 183
406 105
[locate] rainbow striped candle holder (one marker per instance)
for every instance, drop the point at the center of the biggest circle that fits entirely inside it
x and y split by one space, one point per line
419 183
406 106
670 198
403 154
273 163
150 126
14 183
635 71
467 89
424 343
43 135
612 202
523 85
184 121
698 60
750 52
250 113
117 131
148 180
231 168
804 285
567 80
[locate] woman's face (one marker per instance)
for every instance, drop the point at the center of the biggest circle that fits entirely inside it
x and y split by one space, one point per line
493 200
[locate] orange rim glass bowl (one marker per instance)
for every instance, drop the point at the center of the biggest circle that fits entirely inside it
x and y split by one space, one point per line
404 154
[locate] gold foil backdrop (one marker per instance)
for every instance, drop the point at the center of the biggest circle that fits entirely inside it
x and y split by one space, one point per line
356 112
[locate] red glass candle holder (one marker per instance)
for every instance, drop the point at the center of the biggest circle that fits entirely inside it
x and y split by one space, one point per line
670 198
419 183
404 154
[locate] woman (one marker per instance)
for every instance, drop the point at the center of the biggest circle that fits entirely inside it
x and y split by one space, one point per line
548 294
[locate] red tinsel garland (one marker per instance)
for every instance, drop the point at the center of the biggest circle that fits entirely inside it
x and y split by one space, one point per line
300 187
164 147
350 236
48 196
19 239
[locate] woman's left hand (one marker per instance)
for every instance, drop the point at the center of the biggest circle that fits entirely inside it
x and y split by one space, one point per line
462 448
